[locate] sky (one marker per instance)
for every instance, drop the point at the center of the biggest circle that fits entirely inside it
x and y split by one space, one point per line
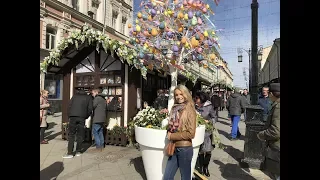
233 19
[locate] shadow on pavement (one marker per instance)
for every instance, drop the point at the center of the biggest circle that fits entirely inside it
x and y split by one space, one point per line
223 118
227 135
236 154
229 171
51 125
225 123
51 172
138 165
50 136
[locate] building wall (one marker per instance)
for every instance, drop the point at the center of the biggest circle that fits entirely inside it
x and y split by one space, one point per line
62 17
271 67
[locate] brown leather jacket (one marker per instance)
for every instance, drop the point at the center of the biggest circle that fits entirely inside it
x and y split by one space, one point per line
187 130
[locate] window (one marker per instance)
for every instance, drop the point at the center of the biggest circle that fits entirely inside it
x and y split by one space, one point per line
53 84
50 38
114 20
75 4
123 25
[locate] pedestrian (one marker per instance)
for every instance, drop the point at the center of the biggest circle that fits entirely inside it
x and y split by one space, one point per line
247 100
99 118
80 108
161 102
265 102
44 105
216 103
235 107
206 110
181 131
272 134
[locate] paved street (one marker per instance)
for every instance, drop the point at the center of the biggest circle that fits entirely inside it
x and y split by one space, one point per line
121 163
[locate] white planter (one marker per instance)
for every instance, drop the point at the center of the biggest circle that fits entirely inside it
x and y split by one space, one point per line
152 144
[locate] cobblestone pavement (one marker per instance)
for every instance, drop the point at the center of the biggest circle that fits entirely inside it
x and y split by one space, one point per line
122 163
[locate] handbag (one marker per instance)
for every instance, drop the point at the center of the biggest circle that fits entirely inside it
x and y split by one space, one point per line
170 148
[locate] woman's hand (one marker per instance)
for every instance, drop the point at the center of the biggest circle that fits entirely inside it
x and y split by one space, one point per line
207 121
47 105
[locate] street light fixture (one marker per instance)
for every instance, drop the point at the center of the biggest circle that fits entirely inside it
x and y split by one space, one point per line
240 58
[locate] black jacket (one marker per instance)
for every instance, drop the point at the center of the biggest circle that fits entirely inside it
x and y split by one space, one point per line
99 109
80 105
236 104
216 101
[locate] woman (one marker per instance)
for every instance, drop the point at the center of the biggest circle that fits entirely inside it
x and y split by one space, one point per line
205 109
181 130
44 105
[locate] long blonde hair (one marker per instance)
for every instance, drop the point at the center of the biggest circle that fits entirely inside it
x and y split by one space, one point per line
43 91
185 93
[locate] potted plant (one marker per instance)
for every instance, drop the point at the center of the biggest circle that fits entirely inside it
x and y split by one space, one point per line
150 132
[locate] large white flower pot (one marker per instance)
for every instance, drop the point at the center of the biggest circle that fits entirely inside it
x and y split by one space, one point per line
152 144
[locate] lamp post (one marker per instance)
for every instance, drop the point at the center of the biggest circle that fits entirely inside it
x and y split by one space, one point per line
240 57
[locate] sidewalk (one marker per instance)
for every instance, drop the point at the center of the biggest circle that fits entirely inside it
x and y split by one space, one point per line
125 163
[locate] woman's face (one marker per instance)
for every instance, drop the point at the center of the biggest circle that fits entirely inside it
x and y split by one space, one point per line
178 96
197 100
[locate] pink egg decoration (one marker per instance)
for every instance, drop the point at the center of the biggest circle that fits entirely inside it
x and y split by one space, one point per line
185 2
190 1
199 21
199 50
204 10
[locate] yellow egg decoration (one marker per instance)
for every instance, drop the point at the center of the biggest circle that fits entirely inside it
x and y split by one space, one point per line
213 56
139 15
138 28
154 32
186 16
180 15
205 33
129 25
194 42
183 40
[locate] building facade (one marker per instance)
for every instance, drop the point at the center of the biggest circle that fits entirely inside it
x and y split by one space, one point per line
59 17
270 71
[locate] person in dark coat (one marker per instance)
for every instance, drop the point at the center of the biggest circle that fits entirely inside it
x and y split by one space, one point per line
247 99
272 133
161 102
99 117
80 108
236 107
205 109
265 102
216 102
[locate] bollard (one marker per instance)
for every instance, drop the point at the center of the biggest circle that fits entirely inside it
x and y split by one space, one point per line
253 147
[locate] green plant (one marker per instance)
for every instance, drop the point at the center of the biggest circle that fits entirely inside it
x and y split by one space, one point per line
118 130
211 128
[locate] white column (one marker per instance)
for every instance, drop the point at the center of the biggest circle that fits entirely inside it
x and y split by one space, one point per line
125 107
71 84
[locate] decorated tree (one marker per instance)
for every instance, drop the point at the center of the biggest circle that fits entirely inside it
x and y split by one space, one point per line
170 33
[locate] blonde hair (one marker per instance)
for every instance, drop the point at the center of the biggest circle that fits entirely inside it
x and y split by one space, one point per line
185 93
43 91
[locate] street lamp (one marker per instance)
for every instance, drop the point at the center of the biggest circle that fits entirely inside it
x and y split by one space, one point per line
240 58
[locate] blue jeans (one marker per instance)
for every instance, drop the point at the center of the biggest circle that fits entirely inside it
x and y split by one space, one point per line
97 131
181 159
235 128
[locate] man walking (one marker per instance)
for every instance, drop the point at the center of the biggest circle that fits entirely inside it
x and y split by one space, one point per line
80 108
235 107
265 102
99 118
216 102
272 134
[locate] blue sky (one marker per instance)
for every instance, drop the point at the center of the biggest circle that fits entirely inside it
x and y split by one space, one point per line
234 18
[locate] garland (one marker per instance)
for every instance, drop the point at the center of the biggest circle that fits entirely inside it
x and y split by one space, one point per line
94 38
